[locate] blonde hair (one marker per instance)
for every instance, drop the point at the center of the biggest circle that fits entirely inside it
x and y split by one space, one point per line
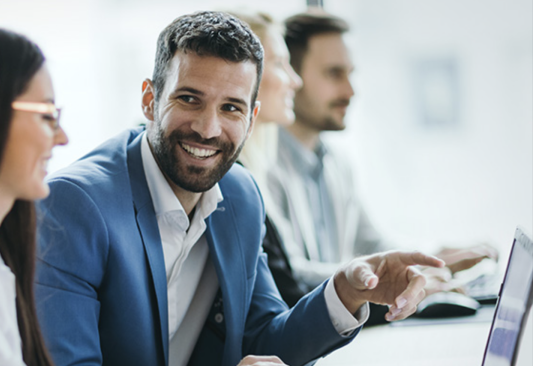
258 22
259 152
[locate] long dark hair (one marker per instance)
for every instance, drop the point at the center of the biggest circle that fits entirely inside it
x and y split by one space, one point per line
20 59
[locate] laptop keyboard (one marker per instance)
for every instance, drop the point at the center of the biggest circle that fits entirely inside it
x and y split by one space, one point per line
484 288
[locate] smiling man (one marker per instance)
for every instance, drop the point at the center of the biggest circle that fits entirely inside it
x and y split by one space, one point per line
150 247
204 113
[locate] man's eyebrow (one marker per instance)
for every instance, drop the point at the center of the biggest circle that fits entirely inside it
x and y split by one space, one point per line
341 68
237 101
189 90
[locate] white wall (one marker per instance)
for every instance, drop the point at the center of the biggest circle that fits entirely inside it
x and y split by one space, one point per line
465 182
468 181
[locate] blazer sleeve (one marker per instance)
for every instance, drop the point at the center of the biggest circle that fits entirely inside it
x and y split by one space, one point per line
299 335
71 260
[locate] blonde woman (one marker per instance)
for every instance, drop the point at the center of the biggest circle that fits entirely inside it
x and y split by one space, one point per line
276 94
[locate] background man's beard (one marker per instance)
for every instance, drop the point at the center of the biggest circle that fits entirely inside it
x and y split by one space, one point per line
309 116
191 178
330 124
320 123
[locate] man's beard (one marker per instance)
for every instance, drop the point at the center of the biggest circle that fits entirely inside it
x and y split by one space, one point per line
325 121
191 178
329 123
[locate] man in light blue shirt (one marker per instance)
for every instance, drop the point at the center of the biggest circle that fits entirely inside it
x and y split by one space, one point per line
319 216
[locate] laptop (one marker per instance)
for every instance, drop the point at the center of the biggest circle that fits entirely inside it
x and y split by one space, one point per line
513 306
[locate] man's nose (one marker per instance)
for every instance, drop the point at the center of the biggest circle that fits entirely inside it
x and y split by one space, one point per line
207 124
348 89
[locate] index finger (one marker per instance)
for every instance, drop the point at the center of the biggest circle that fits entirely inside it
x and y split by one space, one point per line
419 258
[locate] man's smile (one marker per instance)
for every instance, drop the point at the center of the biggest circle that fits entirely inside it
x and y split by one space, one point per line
198 153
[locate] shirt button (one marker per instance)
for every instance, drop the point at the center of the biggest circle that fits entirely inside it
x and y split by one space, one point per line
219 317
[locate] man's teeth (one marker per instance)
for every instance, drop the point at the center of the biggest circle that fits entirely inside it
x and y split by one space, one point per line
199 153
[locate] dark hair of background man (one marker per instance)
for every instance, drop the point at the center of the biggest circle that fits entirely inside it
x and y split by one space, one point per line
301 27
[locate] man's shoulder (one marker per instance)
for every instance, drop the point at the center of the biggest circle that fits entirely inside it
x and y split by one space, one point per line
237 173
241 191
238 181
106 161
99 182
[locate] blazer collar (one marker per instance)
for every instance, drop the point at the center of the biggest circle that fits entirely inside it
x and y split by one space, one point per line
149 231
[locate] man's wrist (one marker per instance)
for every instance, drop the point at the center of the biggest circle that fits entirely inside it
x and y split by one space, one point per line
347 293
343 321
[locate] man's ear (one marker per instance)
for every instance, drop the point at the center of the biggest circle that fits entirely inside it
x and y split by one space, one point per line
253 118
148 99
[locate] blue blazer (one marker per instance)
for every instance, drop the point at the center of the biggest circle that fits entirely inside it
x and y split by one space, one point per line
101 285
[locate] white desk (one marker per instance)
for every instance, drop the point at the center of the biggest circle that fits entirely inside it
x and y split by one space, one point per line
459 344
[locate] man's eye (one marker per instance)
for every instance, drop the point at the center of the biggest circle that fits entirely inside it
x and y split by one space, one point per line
336 74
48 118
229 108
187 98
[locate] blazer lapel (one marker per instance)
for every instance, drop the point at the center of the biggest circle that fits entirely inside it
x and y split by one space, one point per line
149 231
222 239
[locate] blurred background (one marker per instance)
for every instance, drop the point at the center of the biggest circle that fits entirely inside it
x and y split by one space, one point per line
440 130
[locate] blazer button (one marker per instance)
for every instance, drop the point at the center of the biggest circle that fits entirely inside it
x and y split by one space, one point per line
219 317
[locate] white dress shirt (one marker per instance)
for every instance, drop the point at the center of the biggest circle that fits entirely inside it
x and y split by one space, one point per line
191 280
10 343
191 287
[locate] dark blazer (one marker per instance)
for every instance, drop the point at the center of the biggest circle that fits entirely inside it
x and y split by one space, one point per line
290 289
101 283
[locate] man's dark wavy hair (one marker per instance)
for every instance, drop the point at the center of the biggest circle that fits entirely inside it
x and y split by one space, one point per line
207 33
301 27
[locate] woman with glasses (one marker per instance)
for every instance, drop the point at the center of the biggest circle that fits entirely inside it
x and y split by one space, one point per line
29 129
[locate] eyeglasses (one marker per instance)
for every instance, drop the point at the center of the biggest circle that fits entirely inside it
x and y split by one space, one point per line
49 111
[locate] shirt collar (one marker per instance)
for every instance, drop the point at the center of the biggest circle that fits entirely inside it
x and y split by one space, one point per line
307 162
163 198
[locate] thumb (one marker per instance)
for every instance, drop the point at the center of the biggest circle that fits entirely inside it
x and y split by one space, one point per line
362 277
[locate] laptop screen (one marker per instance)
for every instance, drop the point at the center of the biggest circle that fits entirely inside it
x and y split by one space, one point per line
513 305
